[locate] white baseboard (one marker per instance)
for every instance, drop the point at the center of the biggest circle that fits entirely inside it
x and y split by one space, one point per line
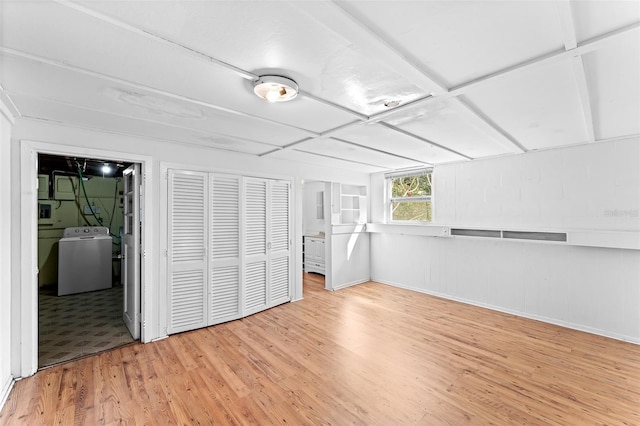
349 284
566 324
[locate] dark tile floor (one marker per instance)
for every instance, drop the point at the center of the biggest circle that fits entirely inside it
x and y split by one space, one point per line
76 325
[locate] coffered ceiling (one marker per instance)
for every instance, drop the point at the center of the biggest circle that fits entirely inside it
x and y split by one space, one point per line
471 79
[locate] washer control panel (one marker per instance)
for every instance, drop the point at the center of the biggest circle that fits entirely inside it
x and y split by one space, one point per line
85 231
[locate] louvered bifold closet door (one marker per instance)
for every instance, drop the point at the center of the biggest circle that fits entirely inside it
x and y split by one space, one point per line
225 296
279 242
187 265
255 245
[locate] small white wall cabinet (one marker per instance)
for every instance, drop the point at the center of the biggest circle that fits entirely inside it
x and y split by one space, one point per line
314 258
229 250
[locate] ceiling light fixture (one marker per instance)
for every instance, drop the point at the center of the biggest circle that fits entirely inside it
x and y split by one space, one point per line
275 88
106 169
392 103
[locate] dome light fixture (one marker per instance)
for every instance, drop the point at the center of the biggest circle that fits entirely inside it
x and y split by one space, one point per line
275 88
106 169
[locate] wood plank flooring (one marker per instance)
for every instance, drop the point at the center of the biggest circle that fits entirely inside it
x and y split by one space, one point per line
369 354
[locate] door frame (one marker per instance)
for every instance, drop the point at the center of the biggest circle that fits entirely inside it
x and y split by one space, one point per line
24 333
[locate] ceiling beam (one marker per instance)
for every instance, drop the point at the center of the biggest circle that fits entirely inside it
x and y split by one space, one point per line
382 151
585 99
565 15
381 168
8 104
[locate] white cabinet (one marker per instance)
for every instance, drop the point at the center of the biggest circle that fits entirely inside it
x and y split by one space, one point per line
228 247
314 259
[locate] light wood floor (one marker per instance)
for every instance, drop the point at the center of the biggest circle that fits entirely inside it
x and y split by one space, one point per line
369 354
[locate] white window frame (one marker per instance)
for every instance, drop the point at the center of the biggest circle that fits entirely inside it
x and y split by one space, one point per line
389 177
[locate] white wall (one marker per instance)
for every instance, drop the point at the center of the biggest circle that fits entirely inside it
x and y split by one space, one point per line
5 253
310 222
349 256
593 187
41 134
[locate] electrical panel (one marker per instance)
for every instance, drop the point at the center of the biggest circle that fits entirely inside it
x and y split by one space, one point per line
43 187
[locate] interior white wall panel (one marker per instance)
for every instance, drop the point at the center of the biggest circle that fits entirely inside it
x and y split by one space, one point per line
575 187
5 254
593 187
590 289
349 258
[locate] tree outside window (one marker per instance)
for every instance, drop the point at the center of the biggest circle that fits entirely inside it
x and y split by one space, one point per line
410 197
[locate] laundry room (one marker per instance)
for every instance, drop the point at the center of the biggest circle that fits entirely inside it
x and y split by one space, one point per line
80 228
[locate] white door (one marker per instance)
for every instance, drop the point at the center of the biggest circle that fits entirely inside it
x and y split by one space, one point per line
225 294
255 245
279 243
187 257
131 250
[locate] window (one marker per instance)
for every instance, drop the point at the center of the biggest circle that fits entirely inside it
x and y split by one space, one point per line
410 196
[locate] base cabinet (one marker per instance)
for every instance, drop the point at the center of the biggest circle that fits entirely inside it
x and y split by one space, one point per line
314 260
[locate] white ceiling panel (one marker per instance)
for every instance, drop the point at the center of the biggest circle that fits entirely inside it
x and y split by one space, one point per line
137 59
339 149
594 18
448 123
612 77
384 139
82 117
273 37
540 107
459 41
49 82
323 161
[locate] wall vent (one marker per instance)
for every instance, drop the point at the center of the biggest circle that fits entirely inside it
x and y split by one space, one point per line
540 236
487 233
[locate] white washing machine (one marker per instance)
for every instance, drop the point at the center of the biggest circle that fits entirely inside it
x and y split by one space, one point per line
84 260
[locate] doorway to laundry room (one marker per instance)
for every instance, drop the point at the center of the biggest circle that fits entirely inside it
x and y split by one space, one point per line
88 256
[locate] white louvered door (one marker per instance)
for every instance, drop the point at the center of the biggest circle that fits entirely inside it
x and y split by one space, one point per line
255 245
229 247
187 242
225 227
279 242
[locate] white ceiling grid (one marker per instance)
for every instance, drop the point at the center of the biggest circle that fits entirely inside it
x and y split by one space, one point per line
473 79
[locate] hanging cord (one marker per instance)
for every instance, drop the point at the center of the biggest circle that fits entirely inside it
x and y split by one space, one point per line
84 191
115 197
